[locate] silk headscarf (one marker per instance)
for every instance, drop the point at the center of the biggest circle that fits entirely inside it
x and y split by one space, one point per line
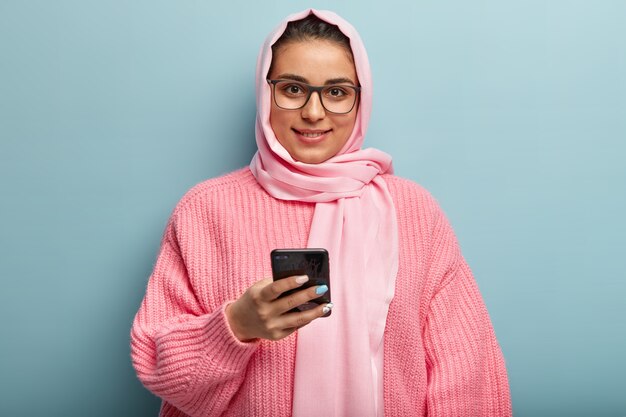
339 358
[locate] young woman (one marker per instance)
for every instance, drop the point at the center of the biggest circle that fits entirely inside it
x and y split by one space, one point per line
409 334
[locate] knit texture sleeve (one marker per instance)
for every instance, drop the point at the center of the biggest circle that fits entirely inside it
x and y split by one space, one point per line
187 356
466 370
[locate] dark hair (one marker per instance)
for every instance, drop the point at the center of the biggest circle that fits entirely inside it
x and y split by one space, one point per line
311 27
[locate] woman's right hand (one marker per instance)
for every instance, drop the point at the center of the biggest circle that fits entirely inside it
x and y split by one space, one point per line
259 313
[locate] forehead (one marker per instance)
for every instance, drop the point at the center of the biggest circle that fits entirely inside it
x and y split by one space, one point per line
315 60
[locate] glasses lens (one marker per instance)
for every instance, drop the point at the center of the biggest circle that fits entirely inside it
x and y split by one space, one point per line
292 95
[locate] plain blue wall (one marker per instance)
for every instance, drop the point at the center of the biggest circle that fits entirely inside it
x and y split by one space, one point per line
512 113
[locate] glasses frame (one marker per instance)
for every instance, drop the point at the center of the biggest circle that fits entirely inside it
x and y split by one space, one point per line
312 89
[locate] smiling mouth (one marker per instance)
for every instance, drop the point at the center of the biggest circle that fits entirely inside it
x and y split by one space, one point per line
312 134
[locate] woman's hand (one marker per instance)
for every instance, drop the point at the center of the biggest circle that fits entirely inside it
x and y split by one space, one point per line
259 313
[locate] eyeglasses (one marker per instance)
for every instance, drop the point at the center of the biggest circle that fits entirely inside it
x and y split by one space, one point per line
294 95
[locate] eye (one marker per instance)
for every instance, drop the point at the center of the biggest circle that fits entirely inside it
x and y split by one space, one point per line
293 89
337 91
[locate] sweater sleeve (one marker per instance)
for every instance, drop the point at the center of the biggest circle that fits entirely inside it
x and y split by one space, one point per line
188 357
466 369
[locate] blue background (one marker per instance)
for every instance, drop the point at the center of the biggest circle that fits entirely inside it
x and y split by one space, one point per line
512 113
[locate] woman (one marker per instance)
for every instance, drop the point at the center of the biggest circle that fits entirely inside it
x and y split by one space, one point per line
409 334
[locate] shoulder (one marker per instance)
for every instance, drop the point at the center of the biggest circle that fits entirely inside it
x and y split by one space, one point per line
405 184
218 189
424 225
409 195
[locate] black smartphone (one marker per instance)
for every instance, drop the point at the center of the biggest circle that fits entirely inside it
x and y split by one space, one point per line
312 262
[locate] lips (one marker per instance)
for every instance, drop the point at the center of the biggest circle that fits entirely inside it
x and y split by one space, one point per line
312 135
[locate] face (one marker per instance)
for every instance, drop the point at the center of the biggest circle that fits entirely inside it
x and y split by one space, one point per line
312 134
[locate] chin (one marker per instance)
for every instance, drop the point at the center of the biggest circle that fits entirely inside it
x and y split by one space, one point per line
312 159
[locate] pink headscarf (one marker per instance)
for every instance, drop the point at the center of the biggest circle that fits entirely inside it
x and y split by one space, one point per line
339 359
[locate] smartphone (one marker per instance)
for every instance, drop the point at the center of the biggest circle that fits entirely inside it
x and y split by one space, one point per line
310 261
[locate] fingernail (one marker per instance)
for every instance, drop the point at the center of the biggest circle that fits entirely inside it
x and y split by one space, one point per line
301 279
327 308
321 289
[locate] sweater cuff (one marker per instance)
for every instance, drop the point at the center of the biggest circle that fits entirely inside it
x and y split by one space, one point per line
223 349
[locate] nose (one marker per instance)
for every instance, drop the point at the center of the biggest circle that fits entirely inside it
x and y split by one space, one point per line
313 110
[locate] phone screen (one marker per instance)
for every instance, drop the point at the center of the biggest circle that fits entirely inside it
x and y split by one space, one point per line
312 262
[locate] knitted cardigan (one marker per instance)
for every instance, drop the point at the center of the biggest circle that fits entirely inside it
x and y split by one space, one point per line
441 357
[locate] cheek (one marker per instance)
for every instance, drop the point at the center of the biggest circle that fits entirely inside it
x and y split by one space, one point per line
273 121
347 126
280 122
351 121
276 122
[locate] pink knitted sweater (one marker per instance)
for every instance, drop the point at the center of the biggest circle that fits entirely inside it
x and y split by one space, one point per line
441 357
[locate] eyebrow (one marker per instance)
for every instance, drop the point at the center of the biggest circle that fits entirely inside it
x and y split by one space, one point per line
332 81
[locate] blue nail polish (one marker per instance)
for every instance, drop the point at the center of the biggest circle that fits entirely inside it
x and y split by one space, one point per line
321 289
